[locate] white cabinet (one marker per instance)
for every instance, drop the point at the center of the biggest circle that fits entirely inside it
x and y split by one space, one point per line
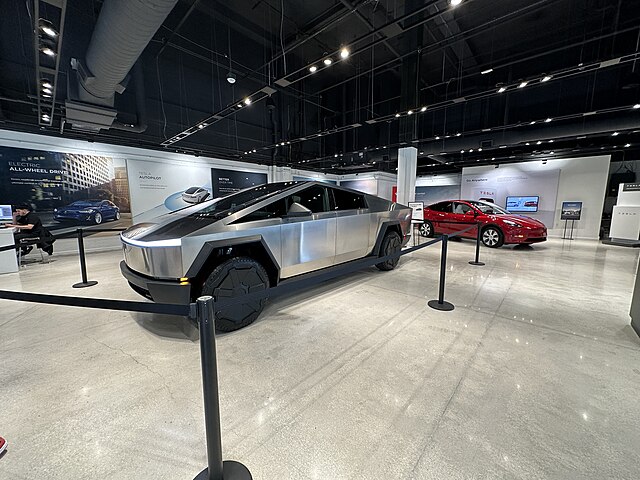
8 261
625 223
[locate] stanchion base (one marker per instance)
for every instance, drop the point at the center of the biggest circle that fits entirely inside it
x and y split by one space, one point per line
479 264
230 471
90 283
444 306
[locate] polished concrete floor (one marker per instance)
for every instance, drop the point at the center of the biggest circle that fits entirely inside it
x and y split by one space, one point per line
535 375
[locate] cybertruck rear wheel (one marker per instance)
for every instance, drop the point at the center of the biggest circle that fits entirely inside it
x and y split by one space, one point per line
233 278
391 243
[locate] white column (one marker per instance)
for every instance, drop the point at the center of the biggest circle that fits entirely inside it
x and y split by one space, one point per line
279 174
407 165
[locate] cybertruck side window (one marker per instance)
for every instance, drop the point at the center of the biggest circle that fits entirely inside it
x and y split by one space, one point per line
348 200
315 198
277 209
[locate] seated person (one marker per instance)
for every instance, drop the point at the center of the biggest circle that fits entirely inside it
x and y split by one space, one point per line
28 225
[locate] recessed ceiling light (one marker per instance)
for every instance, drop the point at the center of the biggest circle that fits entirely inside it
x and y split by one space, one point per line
344 53
493 158
538 142
46 84
550 141
527 144
551 153
479 149
437 138
461 151
523 84
46 90
627 145
455 3
313 69
47 51
458 134
533 122
502 89
548 120
484 72
410 112
503 146
615 134
328 61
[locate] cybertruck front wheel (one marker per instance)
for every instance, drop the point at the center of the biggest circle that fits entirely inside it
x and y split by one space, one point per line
233 278
391 243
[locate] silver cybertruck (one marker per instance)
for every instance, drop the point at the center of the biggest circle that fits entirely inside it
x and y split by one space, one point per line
256 238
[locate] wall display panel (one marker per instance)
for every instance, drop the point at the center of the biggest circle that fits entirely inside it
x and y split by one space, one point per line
434 194
515 182
225 182
54 181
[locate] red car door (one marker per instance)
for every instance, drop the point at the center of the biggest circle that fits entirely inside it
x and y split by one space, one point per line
439 216
462 216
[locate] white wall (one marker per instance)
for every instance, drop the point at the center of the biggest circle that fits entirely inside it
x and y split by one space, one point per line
378 183
581 179
439 180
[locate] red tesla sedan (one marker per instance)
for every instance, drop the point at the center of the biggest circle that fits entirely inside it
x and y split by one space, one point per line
499 226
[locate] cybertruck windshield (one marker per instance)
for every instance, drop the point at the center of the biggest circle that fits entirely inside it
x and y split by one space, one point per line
243 199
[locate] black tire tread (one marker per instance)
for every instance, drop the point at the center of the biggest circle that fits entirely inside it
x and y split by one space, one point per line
390 243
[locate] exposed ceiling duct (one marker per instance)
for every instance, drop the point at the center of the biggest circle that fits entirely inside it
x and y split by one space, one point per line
122 31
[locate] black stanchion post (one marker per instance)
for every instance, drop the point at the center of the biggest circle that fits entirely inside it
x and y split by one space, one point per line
477 261
440 304
217 469
83 264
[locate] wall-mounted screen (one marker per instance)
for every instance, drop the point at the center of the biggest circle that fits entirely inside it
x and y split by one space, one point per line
523 204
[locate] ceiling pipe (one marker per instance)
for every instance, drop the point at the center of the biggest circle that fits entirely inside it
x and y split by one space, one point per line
122 32
517 137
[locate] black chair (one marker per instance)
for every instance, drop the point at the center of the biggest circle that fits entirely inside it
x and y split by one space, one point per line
29 242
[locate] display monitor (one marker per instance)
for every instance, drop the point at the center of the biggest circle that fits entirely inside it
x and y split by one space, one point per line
523 204
5 213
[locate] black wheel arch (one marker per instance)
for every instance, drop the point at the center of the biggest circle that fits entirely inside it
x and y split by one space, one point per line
213 253
393 225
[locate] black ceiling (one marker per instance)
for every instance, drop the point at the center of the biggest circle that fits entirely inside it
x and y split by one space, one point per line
404 55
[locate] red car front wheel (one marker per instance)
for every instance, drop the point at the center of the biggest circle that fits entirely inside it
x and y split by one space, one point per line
492 237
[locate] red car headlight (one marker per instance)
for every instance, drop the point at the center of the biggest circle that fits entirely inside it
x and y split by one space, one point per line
512 224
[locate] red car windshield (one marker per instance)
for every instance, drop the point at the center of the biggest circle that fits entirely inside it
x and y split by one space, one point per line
489 208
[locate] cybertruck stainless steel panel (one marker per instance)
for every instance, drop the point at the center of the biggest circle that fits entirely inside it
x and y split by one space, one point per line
164 262
308 245
353 235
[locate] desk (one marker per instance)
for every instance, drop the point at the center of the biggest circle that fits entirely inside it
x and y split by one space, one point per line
8 261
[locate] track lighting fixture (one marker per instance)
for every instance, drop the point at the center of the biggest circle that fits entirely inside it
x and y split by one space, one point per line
455 3
546 78
636 106
523 84
502 89
328 61
313 69
423 109
247 101
548 120
48 51
47 28
231 78
344 53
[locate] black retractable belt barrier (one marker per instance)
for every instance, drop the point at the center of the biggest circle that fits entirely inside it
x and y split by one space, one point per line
217 469
440 304
477 261
83 264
